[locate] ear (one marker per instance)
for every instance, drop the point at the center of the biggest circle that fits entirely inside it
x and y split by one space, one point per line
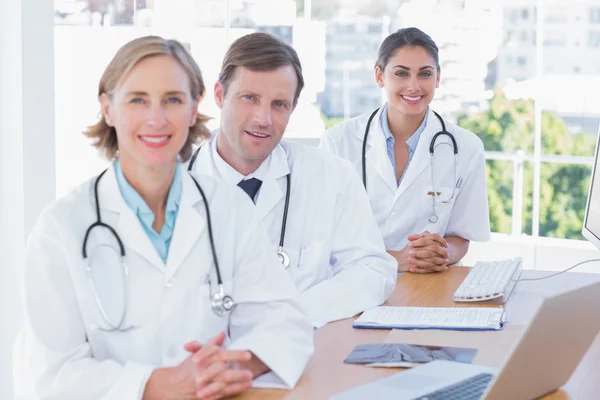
437 81
219 94
105 109
379 77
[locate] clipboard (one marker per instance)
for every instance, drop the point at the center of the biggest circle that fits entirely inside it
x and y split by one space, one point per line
444 318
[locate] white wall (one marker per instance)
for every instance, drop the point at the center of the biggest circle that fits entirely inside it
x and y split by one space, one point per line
27 178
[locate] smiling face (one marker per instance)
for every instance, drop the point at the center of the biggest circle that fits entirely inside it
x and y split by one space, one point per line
255 109
152 111
409 79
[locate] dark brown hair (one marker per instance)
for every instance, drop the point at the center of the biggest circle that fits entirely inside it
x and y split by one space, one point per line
260 51
406 37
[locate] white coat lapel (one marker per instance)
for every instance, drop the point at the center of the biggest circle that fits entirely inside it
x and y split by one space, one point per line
376 152
189 225
129 228
421 158
270 191
204 164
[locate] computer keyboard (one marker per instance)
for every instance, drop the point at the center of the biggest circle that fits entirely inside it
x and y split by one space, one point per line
469 389
490 280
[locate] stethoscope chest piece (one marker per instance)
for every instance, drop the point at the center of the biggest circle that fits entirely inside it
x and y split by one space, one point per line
284 259
433 218
221 303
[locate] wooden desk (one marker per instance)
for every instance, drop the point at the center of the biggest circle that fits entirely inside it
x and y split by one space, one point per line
326 374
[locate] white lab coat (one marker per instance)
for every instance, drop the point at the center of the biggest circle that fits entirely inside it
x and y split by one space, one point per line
404 210
337 257
61 355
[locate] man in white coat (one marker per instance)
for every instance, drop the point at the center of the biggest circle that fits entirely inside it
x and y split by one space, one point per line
312 203
146 282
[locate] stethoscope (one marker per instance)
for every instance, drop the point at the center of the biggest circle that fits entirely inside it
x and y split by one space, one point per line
220 302
433 217
282 255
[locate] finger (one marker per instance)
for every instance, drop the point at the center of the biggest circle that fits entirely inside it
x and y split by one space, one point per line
206 375
237 387
218 340
437 238
235 355
205 354
423 264
424 253
195 346
432 238
420 242
236 375
212 390
439 268
426 241
413 237
192 346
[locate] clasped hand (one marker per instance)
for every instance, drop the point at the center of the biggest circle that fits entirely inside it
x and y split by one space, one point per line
425 253
210 372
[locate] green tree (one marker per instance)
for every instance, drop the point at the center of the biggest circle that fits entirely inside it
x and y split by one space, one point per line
508 125
329 122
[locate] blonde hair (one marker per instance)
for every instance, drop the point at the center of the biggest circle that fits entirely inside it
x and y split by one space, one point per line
103 135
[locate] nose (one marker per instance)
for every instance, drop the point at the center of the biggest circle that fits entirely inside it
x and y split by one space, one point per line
413 84
156 116
262 115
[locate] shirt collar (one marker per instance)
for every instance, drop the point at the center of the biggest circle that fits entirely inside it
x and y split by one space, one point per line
413 140
230 174
137 203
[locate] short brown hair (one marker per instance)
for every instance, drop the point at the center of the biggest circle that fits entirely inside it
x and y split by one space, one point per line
260 51
103 135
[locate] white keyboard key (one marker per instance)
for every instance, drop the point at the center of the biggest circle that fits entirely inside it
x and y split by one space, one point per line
489 280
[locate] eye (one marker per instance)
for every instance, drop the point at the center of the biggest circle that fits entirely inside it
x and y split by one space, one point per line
174 100
401 73
280 104
248 97
426 74
137 100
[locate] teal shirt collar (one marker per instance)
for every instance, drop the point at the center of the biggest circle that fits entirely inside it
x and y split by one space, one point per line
161 240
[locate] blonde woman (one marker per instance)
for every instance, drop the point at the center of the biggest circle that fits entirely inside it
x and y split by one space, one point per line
148 282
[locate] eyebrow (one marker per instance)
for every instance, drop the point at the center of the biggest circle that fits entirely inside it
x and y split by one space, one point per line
141 93
408 69
247 92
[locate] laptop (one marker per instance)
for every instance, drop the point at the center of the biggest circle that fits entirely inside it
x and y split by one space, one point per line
553 344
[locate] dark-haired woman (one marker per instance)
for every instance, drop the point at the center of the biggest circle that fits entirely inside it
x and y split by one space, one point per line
425 177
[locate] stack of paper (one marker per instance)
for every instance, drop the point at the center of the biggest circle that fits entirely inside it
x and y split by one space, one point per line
452 318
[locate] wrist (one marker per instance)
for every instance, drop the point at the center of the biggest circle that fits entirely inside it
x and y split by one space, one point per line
255 366
156 386
165 384
401 257
450 252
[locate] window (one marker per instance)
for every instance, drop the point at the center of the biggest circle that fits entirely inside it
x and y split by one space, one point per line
511 35
594 39
337 45
594 15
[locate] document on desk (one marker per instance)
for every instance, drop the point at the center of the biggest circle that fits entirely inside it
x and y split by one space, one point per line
450 318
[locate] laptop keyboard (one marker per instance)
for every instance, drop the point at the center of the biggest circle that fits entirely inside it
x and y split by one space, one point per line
469 389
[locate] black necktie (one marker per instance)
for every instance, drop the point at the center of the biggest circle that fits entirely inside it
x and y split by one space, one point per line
250 186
